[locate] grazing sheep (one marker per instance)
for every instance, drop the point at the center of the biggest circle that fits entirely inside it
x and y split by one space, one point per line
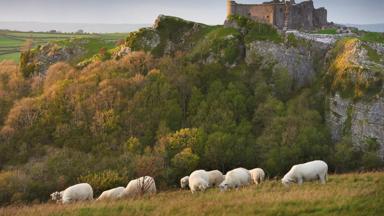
198 181
236 178
79 192
257 175
139 186
215 177
111 194
314 170
184 182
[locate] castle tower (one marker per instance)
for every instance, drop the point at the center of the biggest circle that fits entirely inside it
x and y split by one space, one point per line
231 5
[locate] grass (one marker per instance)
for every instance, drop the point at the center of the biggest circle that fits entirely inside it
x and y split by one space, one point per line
373 55
375 37
11 41
257 30
348 194
331 31
15 56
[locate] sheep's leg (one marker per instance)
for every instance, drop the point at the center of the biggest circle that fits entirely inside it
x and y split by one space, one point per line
300 181
322 179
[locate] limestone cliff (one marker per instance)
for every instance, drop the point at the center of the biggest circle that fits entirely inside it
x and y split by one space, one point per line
354 80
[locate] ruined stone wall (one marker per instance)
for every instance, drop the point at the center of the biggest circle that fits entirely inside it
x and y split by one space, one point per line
301 16
295 16
262 13
320 17
279 17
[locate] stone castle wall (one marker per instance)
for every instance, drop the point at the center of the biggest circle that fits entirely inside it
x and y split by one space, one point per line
282 14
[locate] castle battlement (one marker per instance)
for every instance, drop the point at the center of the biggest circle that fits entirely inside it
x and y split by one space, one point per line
282 14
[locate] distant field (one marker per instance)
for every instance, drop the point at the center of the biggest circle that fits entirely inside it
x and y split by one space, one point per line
349 195
11 41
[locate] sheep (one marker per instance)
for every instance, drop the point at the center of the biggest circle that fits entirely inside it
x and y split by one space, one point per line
198 181
184 182
79 192
257 175
215 177
236 178
111 194
139 186
314 170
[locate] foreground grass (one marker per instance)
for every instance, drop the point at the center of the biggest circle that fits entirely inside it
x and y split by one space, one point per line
351 194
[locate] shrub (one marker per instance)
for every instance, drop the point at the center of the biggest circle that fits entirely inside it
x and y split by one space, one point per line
104 180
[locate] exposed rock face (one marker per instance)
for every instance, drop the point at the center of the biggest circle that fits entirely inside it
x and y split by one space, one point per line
298 62
168 35
337 116
363 120
51 53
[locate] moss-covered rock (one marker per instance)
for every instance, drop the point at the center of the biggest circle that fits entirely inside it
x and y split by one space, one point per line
355 69
221 45
254 31
167 36
73 51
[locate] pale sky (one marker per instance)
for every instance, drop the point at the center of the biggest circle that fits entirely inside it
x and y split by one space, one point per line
145 11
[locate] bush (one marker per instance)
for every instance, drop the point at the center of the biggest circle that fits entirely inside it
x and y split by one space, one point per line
102 181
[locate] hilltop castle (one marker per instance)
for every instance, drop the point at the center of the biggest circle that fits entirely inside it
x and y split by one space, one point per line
283 14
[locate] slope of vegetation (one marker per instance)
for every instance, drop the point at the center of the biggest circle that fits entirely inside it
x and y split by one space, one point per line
255 30
159 114
349 195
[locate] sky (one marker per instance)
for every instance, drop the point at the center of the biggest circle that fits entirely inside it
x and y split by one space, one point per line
146 11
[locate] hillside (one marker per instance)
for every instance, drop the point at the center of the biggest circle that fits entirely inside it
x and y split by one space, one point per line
181 96
349 195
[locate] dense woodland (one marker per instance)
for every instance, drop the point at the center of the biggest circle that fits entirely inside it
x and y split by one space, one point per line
165 116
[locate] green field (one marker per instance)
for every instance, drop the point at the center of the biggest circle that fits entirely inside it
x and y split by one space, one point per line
349 195
11 41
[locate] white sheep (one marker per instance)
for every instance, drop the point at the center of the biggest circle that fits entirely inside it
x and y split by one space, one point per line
257 175
79 192
111 194
184 182
215 177
139 186
314 170
198 181
236 178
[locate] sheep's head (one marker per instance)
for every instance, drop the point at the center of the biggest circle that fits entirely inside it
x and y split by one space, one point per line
56 196
286 181
223 186
184 182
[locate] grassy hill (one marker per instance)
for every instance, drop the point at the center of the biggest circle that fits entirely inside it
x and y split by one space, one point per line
11 41
349 194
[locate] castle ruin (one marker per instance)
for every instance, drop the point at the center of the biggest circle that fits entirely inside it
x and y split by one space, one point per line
283 14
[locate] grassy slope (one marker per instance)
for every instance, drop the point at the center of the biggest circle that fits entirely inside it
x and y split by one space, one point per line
10 41
351 194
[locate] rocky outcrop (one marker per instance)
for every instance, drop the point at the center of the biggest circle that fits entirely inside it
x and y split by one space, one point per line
361 120
167 36
43 57
73 51
299 62
361 117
